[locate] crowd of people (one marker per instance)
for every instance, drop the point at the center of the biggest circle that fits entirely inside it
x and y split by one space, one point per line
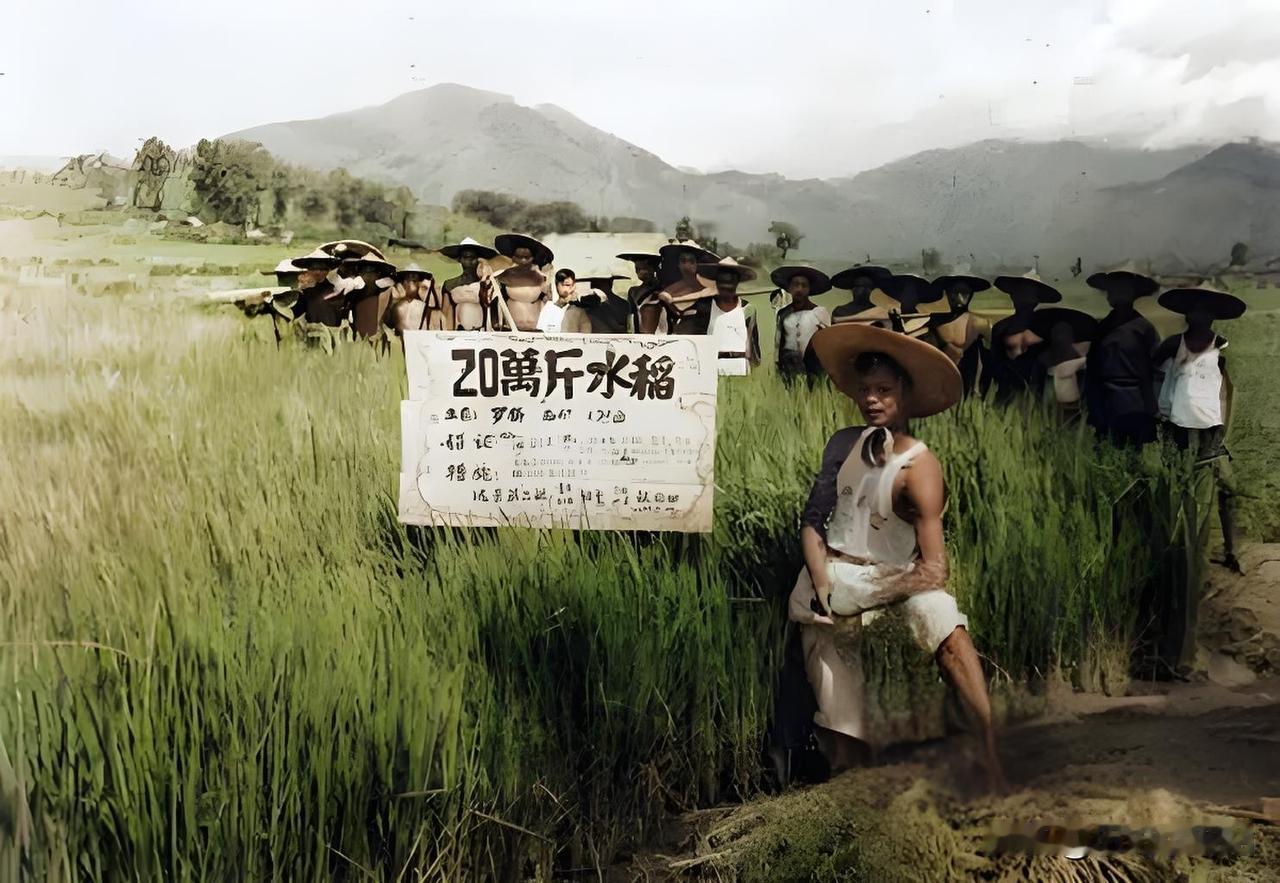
872 528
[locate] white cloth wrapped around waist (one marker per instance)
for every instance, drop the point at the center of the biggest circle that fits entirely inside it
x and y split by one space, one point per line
856 588
932 614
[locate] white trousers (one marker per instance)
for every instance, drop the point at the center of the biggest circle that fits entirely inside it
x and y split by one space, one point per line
833 653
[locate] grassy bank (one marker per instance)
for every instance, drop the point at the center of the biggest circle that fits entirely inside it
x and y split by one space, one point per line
225 659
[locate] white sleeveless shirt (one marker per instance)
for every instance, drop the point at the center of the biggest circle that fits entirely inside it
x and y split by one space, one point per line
864 524
1191 396
729 329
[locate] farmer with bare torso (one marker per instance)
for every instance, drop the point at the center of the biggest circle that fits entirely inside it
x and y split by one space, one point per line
686 297
415 302
465 295
647 309
860 282
525 287
958 331
872 535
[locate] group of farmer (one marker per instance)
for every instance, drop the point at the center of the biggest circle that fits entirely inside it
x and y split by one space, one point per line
512 286
871 531
872 528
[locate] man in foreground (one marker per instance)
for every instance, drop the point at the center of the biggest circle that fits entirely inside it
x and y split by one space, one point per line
872 536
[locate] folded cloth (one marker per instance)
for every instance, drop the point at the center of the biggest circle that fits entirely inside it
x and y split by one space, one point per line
855 587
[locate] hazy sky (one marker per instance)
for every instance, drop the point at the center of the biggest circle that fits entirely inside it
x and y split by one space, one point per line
806 87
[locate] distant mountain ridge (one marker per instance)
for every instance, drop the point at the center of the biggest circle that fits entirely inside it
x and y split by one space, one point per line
1002 201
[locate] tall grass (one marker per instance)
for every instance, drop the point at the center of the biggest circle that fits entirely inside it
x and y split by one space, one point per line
225 659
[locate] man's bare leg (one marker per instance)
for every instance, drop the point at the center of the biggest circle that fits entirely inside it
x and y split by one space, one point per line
958 660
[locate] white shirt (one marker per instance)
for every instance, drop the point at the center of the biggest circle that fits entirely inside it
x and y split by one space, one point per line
730 332
799 326
1066 385
550 317
1191 396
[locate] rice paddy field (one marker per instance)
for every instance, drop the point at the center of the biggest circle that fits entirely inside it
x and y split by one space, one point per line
222 657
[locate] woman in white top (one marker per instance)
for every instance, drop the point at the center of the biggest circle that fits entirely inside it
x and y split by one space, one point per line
872 534
1195 394
1068 334
799 320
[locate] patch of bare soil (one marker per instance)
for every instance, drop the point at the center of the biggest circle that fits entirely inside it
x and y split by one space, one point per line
1240 617
1177 757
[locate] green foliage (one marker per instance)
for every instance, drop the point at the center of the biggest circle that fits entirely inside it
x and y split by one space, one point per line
1239 254
930 260
507 212
225 659
229 178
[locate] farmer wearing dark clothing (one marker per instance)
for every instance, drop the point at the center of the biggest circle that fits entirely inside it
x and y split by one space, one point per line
1015 348
1119 376
318 301
1195 395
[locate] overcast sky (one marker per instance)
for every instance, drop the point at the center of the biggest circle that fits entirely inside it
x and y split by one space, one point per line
802 87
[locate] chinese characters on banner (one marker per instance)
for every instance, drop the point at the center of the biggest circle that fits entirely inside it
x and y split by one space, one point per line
546 430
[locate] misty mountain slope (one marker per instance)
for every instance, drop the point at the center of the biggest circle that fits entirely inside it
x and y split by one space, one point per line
1002 201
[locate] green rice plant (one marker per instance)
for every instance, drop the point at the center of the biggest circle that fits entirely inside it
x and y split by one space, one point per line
222 657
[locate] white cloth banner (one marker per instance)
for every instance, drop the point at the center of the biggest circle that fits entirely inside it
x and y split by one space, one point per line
581 431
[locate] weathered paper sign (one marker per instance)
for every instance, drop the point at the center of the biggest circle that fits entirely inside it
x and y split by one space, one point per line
575 431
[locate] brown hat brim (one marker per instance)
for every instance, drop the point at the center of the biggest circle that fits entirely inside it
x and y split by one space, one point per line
639 257
1043 292
1083 326
507 243
845 279
453 252
1145 284
818 280
935 380
926 292
1222 305
975 283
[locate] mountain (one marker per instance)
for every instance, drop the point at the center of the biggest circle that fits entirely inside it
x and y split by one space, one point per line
1002 201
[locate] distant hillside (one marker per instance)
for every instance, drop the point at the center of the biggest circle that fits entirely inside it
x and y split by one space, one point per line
1002 201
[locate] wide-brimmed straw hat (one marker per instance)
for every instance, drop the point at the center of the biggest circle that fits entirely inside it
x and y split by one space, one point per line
453 252
640 257
845 279
672 251
712 269
1126 272
411 269
1083 326
351 248
951 280
935 380
1029 284
1214 301
507 243
316 260
285 267
901 283
818 280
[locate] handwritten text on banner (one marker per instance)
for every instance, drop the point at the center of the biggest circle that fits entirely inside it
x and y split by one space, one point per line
576 431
